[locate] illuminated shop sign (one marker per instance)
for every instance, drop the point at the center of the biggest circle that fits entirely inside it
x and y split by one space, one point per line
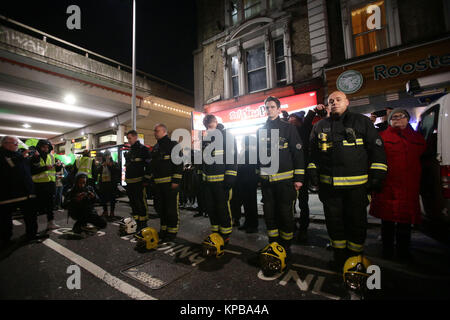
256 113
383 71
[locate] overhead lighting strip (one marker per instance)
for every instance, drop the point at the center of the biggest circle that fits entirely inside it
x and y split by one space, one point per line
16 98
29 130
20 118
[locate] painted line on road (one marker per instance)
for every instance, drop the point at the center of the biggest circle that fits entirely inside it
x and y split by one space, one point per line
232 252
316 269
111 280
17 223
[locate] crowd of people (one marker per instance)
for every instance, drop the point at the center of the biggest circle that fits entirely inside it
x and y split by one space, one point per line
331 151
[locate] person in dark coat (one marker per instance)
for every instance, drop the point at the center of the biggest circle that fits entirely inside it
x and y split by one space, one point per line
80 202
16 191
245 193
385 123
60 174
108 178
397 205
304 126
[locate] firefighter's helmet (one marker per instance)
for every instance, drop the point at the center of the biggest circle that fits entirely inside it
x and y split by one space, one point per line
127 226
273 258
147 238
355 272
213 245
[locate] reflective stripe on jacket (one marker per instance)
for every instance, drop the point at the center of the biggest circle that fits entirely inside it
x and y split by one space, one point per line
84 164
47 175
347 150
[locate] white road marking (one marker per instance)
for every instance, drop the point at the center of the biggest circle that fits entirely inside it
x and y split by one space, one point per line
316 269
17 223
233 252
111 280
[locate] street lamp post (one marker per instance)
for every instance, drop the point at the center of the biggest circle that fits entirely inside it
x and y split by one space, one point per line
133 99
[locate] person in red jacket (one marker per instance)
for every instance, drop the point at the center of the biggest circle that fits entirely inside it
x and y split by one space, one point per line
397 205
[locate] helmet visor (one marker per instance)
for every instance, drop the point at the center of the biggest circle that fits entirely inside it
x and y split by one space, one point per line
270 264
355 281
209 251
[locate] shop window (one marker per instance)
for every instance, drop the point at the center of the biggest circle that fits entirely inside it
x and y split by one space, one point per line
369 28
280 63
256 69
251 8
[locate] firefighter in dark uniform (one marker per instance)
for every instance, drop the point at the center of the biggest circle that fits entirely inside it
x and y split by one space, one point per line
137 176
280 187
219 178
347 161
167 178
199 186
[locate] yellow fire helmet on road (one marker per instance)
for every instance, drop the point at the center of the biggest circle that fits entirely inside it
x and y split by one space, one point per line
147 238
213 245
273 258
355 272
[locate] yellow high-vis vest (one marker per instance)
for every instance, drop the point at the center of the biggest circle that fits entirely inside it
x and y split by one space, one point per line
48 175
84 164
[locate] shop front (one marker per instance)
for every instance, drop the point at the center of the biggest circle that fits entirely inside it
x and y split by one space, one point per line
379 81
245 120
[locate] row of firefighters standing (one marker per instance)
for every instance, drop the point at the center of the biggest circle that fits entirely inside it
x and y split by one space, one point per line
345 161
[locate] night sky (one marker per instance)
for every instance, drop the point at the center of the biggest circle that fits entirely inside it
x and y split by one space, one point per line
165 31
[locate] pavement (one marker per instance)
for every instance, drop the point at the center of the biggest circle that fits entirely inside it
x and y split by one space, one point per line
103 265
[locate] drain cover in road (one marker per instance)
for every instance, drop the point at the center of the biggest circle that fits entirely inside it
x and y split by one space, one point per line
156 273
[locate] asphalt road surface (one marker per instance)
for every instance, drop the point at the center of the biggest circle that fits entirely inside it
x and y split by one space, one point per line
105 266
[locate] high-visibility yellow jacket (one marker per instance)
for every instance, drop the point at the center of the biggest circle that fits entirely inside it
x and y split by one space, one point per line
43 176
85 165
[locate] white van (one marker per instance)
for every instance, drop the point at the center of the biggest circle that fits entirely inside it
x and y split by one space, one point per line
434 125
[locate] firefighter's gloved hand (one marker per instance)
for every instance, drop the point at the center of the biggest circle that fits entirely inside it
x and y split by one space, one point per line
375 184
227 186
228 183
313 178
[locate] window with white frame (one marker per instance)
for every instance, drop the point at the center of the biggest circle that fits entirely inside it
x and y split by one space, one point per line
256 69
235 76
240 10
280 62
251 8
257 61
234 11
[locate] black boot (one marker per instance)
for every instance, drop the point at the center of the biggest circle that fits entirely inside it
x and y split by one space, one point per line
286 244
302 236
162 235
226 239
403 236
339 258
387 236
141 225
